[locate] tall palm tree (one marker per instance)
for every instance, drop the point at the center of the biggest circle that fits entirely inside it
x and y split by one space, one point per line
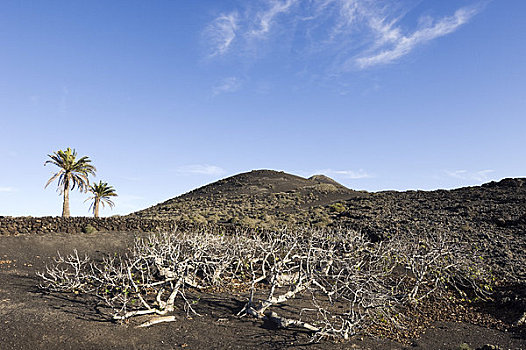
73 174
101 195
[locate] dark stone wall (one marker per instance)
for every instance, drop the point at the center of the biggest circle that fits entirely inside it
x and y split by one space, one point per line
40 225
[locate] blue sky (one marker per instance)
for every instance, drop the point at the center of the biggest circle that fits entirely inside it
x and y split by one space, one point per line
166 96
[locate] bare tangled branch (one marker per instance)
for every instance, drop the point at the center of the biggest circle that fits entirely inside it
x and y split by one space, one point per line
333 282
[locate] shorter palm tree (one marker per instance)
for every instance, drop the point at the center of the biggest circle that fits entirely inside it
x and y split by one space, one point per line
101 195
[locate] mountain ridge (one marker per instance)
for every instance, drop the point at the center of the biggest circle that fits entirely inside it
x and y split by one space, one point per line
269 199
252 197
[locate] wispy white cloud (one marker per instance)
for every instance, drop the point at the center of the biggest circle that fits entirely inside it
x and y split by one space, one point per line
222 32
392 45
353 34
480 176
229 84
346 174
266 17
7 189
200 169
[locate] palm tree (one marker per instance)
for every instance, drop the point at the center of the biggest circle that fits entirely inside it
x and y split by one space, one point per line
101 195
73 174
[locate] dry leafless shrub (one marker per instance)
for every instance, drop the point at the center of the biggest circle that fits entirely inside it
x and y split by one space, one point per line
333 282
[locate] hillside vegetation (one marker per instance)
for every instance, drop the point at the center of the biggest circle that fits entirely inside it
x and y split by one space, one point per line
260 198
492 216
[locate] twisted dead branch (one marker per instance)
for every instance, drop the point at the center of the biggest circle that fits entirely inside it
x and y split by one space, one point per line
333 282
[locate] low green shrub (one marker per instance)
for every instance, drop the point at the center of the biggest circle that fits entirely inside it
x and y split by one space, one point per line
89 229
337 208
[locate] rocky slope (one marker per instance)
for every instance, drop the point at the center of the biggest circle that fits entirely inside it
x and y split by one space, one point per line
260 198
491 217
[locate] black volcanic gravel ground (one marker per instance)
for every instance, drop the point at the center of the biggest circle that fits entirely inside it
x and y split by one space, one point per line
32 320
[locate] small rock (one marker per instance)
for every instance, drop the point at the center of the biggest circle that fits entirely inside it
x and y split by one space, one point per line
521 321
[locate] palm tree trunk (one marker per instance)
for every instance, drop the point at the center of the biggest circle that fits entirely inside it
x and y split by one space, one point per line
65 205
96 207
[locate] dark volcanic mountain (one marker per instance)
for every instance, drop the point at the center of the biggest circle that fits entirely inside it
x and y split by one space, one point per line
492 217
263 198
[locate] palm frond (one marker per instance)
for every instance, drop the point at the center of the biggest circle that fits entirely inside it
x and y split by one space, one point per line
73 172
54 177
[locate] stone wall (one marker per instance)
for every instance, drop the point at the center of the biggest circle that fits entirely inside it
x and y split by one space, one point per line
40 225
